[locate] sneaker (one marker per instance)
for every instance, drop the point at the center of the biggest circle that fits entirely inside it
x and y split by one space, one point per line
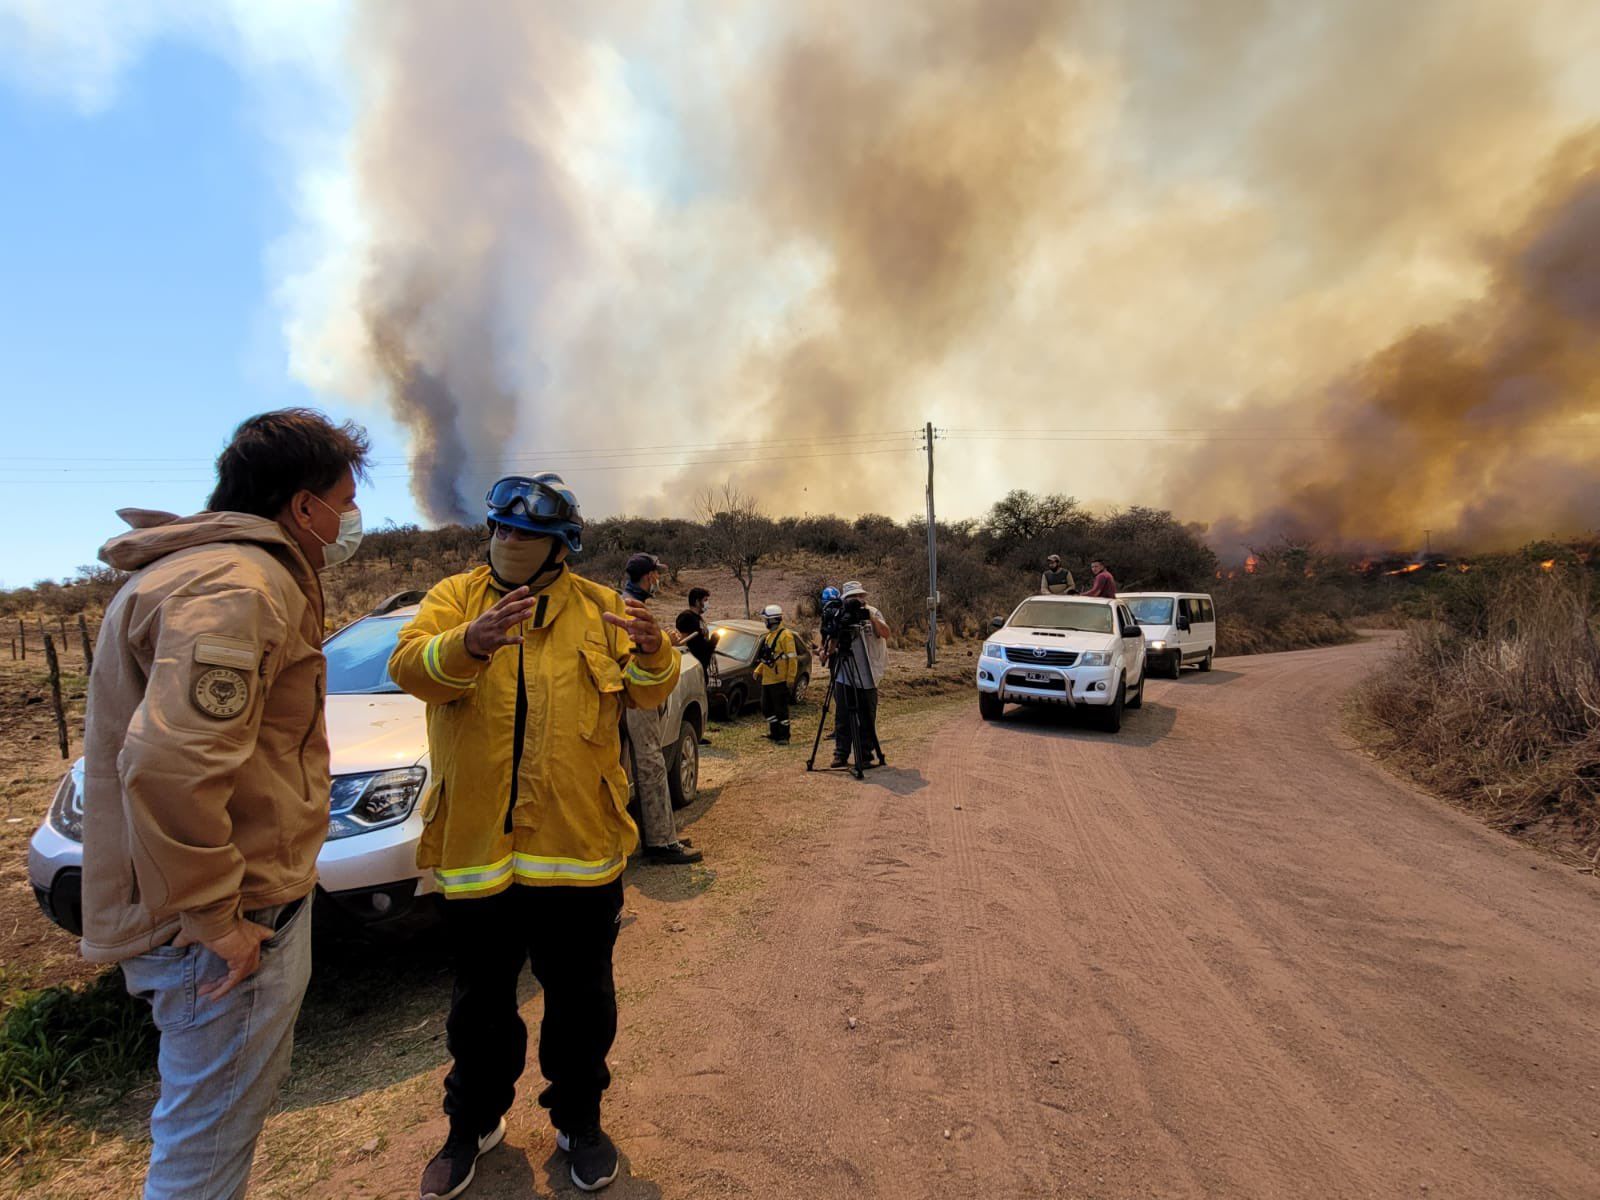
673 854
593 1158
839 760
451 1170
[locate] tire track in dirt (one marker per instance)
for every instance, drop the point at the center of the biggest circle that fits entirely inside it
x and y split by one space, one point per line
1218 954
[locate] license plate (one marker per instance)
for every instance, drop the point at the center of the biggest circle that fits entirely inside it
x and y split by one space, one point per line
1039 677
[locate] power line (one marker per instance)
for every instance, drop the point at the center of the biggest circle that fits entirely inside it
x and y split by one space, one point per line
595 451
578 469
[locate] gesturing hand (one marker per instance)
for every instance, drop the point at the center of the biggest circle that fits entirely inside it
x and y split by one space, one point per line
496 626
641 626
240 948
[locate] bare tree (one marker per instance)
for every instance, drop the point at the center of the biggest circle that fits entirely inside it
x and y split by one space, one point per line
737 534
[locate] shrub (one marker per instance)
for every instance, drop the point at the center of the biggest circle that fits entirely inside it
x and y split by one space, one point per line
1495 703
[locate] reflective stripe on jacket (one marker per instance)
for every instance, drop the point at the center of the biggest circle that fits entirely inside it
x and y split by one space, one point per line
561 816
786 659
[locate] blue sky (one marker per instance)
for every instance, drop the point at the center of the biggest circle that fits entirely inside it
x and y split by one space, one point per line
136 318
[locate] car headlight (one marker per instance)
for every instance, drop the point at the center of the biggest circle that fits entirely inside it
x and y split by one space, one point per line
362 803
1095 658
993 650
66 810
1158 645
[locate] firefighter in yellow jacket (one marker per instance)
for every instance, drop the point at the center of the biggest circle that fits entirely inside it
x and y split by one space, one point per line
526 669
777 664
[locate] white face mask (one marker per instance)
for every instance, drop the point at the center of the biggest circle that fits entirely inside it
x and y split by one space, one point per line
343 547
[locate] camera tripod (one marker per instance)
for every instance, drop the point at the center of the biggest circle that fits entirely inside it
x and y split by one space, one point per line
857 735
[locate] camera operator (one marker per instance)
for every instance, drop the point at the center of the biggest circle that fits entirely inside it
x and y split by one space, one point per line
858 656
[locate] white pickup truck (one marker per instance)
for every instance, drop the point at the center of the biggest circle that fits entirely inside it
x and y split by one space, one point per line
379 741
1077 651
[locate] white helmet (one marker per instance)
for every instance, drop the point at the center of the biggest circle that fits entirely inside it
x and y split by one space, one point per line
772 614
853 588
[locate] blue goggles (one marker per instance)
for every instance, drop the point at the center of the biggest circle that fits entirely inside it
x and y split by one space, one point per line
519 496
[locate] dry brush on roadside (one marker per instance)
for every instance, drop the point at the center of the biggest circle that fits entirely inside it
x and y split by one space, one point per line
1494 703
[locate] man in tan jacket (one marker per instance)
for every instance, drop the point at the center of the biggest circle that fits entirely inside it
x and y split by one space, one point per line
206 782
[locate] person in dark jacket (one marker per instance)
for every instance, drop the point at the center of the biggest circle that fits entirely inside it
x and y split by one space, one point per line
692 633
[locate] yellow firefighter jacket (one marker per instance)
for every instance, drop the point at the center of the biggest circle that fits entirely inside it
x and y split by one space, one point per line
786 664
528 785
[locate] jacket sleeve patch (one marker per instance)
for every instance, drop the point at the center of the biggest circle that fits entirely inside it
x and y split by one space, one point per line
221 692
214 650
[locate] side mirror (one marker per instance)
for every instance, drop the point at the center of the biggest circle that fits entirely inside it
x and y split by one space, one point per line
997 623
1133 631
1183 624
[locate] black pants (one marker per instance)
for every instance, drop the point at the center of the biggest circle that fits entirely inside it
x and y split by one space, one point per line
775 707
567 933
850 705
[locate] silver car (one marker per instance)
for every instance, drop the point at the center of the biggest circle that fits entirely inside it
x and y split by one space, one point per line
368 866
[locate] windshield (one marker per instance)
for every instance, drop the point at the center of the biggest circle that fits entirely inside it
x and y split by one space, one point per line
1063 614
736 645
1151 610
358 657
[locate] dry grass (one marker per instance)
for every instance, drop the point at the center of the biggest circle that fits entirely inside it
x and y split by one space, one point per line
1502 714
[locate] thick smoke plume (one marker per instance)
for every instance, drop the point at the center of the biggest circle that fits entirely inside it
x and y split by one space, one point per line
1484 428
1349 250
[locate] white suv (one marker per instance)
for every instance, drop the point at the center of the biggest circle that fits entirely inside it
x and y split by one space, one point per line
1071 650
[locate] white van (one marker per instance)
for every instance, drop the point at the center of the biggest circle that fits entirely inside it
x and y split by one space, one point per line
1180 628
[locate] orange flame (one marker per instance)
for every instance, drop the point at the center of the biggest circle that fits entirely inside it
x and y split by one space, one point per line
1405 570
1250 565
1548 564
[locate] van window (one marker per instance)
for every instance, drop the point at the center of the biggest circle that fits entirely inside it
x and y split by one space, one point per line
1184 611
1207 613
1152 610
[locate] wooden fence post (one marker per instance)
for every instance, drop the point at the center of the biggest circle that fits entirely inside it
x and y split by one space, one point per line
88 646
22 636
55 693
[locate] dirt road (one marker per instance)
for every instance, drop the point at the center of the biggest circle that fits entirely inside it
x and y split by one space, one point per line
1217 955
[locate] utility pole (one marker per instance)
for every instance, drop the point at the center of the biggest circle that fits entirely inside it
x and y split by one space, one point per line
1427 542
933 558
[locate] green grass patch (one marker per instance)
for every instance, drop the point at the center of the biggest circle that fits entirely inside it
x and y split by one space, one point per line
65 1049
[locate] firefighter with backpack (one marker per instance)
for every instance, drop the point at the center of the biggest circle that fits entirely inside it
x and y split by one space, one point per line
777 664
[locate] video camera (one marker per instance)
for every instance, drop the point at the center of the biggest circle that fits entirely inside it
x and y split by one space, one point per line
841 618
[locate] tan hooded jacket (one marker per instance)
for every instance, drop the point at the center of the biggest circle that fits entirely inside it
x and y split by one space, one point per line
206 756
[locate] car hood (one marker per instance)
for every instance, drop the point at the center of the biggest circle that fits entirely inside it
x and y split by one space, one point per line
375 733
1052 640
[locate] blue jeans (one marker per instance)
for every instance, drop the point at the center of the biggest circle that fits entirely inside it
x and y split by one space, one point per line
221 1061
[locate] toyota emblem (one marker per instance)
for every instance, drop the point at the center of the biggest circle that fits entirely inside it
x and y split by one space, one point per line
1039 652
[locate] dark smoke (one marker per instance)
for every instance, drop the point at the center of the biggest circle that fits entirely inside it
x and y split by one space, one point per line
1482 428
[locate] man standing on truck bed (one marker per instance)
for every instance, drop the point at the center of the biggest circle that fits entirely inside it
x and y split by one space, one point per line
1103 584
1056 581
526 670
